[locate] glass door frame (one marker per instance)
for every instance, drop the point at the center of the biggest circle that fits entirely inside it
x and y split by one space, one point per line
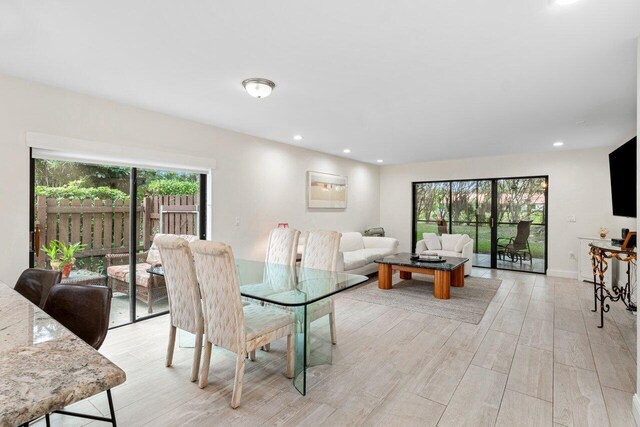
493 220
133 224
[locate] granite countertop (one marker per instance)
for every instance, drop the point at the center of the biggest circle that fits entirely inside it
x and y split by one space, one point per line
43 366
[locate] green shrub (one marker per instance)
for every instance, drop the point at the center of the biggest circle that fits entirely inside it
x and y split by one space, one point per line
74 191
171 187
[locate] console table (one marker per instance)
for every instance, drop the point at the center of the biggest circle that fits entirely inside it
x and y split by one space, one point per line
600 253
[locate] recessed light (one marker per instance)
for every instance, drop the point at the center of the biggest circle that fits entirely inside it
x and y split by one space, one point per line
297 137
564 2
258 87
379 160
558 144
346 150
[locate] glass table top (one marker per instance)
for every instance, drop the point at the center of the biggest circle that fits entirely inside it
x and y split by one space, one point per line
608 246
287 285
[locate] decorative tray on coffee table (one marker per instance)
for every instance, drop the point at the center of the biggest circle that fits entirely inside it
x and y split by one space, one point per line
427 258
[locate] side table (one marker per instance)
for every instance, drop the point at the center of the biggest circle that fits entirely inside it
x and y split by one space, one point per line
84 277
600 253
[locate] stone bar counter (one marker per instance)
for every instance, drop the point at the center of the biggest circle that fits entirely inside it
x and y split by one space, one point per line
43 366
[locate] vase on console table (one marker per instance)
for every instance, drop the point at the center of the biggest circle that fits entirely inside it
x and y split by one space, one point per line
603 232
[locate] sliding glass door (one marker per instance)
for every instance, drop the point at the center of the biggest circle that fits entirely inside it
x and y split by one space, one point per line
110 215
471 215
168 203
522 223
506 217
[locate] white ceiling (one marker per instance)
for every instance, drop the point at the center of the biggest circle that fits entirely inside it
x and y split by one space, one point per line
402 80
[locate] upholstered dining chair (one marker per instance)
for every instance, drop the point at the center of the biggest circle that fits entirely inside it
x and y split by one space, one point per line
185 308
84 310
282 246
35 283
228 323
322 252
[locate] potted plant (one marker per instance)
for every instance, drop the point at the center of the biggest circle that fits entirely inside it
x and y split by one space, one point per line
67 256
53 252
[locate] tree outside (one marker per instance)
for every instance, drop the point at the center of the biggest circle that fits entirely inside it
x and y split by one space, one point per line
466 205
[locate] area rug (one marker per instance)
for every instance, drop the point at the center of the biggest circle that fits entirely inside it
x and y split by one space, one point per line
467 304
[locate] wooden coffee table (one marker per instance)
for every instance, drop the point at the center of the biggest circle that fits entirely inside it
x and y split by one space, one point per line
447 274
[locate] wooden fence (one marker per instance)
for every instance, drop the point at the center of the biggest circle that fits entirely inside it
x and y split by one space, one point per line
103 225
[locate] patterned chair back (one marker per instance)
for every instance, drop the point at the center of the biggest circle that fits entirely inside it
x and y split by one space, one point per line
282 246
321 250
182 283
221 300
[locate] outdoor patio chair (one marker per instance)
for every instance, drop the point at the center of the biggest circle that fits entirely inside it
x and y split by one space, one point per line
517 247
150 288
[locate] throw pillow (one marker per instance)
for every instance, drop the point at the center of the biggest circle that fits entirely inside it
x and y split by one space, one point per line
449 241
432 241
463 241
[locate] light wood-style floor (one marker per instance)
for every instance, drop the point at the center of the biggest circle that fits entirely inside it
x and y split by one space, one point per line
537 358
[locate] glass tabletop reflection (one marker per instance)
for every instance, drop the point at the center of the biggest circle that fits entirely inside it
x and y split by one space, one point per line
287 285
307 294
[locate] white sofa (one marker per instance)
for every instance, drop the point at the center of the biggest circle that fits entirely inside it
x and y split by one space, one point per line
359 252
455 245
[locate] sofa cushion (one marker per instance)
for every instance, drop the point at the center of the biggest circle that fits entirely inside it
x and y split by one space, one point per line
121 272
373 254
463 241
351 241
432 241
450 253
443 253
354 259
449 241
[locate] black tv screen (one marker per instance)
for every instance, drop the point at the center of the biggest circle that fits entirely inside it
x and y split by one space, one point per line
622 167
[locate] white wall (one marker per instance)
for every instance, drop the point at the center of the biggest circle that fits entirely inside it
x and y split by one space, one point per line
260 181
578 185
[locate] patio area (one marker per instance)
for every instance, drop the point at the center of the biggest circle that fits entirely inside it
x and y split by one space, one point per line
535 266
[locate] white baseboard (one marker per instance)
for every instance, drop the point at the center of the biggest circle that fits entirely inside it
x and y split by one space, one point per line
567 274
635 408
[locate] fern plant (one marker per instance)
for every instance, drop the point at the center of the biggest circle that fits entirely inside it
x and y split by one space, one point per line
68 252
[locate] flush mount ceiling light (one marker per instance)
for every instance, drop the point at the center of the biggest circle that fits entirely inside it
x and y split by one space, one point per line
346 150
558 144
258 88
379 160
297 137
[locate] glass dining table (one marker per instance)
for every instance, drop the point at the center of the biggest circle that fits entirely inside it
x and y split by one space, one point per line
302 291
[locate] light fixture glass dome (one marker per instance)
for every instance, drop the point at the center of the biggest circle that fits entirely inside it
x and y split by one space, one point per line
564 2
258 88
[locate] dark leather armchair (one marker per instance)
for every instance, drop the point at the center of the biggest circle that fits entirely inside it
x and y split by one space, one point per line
35 283
84 310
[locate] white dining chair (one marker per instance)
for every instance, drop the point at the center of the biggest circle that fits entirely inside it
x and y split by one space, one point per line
322 252
185 309
282 246
229 324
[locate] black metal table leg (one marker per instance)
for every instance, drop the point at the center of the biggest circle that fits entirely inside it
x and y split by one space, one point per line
595 294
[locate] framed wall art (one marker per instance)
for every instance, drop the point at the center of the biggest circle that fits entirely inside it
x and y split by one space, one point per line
326 190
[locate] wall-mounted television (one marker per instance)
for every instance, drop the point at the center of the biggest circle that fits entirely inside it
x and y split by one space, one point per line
624 185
